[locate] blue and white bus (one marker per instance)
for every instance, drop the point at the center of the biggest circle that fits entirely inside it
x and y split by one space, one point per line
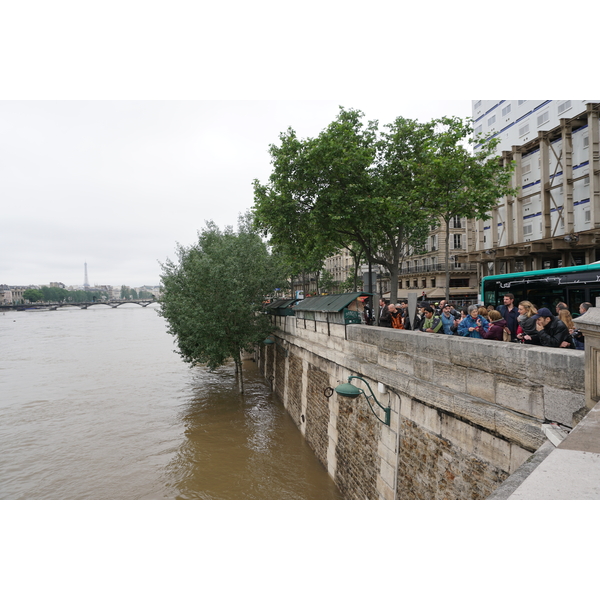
548 287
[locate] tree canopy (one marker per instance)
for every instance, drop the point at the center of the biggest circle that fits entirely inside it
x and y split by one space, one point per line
348 186
458 182
212 295
379 191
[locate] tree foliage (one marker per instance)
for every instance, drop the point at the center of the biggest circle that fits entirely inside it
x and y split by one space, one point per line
212 296
335 190
458 182
33 295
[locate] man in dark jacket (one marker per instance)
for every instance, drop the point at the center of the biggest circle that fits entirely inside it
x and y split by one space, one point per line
384 314
510 314
551 330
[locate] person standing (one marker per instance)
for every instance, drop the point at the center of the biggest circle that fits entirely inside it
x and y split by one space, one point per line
384 314
495 331
510 314
527 321
368 312
431 323
468 326
552 331
449 321
395 316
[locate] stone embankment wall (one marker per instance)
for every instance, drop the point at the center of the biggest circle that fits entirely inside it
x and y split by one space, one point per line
465 413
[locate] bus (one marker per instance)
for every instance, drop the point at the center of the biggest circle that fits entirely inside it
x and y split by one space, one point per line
547 287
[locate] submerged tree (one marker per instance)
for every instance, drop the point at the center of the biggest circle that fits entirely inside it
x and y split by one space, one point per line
212 296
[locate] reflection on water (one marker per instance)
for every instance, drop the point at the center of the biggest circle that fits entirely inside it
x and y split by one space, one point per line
94 404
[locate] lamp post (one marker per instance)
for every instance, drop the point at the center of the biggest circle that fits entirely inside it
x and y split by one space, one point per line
348 390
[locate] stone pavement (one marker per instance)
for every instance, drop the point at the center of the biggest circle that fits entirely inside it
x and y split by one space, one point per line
570 471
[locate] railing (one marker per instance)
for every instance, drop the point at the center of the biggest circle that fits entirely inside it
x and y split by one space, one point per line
439 267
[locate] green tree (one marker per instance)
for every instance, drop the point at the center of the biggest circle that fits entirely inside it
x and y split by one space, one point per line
459 182
335 190
212 296
326 281
33 295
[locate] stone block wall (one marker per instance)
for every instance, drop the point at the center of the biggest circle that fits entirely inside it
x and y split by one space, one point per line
464 413
317 412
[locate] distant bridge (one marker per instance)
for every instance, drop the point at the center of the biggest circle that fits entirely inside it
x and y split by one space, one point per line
84 305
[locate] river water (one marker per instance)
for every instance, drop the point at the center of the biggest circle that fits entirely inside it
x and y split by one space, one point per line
94 404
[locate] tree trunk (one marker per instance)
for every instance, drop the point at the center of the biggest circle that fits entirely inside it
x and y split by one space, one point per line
394 269
238 372
447 260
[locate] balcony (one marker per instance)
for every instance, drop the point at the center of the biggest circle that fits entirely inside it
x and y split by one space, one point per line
439 268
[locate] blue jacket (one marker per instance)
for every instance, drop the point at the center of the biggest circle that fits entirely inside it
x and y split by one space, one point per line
448 323
469 321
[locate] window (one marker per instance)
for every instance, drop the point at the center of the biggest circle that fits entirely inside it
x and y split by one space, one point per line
457 222
522 102
415 283
424 283
543 118
564 106
587 215
454 283
528 229
477 105
586 180
492 120
457 240
506 110
586 141
524 130
526 169
433 282
400 284
478 129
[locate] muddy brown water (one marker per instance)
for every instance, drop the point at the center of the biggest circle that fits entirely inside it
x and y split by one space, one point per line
94 404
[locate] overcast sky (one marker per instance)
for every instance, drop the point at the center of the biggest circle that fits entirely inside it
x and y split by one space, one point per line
125 126
117 184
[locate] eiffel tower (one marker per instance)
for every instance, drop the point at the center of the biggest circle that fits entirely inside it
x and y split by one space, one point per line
86 283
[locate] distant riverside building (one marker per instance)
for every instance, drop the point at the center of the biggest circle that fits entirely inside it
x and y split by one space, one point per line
11 294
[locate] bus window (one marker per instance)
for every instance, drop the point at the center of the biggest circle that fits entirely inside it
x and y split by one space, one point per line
576 297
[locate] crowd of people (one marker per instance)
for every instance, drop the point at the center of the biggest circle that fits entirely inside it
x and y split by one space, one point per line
523 323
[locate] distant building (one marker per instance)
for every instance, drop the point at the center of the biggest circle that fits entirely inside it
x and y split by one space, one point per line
11 294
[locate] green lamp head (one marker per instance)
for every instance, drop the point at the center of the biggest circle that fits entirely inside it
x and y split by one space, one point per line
348 390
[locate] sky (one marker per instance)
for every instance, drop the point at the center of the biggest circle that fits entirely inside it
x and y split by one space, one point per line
117 184
125 126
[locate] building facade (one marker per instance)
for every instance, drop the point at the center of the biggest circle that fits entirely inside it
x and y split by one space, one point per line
554 218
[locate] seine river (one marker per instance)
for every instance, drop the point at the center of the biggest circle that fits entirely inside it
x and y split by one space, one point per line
94 404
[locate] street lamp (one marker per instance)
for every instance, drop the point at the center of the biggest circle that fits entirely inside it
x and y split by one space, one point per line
269 341
348 390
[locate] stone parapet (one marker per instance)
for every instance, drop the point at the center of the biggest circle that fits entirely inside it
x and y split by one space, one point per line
465 413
